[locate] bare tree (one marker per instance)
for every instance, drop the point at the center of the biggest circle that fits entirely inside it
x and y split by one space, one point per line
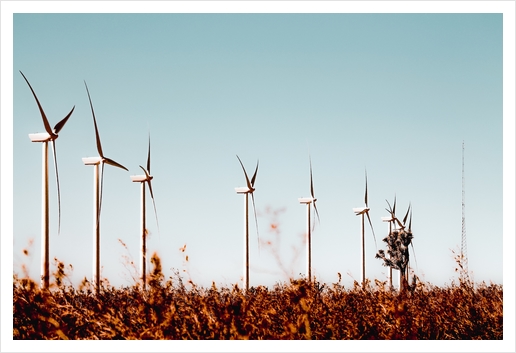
398 241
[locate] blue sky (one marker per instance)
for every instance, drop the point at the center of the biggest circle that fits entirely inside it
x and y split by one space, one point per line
395 94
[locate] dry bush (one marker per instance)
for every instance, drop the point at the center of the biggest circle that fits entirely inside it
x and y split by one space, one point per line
296 309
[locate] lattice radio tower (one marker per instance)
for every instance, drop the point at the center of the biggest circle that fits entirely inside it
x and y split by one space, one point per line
464 246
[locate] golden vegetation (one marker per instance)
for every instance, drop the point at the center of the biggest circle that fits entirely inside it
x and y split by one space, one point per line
292 310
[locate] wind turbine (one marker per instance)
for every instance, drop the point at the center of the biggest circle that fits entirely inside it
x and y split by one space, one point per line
246 190
409 231
364 211
309 228
391 220
45 137
395 226
142 179
97 194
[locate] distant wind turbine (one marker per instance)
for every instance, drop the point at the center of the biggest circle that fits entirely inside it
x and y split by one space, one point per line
396 226
246 190
45 137
97 195
142 179
364 211
309 227
391 221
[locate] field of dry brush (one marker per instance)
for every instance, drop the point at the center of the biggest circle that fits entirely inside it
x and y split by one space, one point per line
297 309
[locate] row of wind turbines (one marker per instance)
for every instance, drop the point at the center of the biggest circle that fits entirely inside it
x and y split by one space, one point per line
99 161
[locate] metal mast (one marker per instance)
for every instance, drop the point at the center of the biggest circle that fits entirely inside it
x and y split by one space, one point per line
464 246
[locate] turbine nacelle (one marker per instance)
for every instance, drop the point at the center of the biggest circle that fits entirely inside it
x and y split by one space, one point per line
244 190
387 219
307 200
397 225
42 137
92 160
360 210
141 178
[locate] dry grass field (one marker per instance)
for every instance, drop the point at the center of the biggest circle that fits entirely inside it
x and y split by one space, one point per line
294 310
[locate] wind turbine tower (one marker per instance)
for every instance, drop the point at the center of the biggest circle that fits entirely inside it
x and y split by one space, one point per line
246 190
142 179
97 162
464 246
364 211
45 137
309 228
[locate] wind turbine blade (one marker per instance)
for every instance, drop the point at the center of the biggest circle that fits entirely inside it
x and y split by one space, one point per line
43 116
99 146
410 222
148 156
152 195
62 123
113 163
390 208
153 203
317 213
394 207
371 224
58 191
101 190
311 182
245 173
253 179
256 220
365 198
406 215
399 223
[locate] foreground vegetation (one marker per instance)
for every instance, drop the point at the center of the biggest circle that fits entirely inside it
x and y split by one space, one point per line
294 310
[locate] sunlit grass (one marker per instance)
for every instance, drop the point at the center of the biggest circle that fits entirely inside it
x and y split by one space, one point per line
296 309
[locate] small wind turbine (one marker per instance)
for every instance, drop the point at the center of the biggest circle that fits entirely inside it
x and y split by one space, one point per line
142 179
396 226
246 190
309 228
409 231
361 211
97 195
45 137
391 220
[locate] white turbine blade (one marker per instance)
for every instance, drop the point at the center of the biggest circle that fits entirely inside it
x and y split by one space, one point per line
99 146
245 173
371 224
152 194
253 179
406 215
62 123
311 180
365 198
153 204
148 156
101 190
410 222
43 116
113 163
256 220
317 213
58 191
390 208
400 225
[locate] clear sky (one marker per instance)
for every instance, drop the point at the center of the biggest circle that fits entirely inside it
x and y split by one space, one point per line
395 94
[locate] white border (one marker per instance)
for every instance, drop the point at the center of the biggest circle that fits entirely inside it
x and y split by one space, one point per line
6 72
